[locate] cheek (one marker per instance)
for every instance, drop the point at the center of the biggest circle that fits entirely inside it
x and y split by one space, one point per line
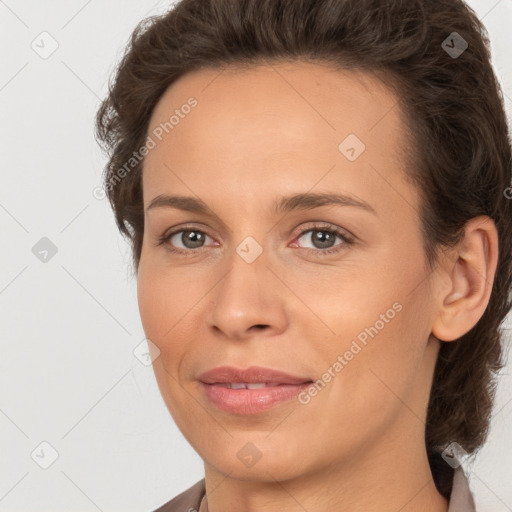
382 321
386 374
160 310
168 306
163 298
151 300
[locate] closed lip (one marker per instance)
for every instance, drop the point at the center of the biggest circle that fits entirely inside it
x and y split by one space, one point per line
254 374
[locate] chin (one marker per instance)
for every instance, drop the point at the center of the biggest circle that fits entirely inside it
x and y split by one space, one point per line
249 459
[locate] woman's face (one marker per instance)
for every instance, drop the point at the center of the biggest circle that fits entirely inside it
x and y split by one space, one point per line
333 293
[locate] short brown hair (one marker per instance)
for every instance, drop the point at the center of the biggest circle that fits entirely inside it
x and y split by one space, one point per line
459 156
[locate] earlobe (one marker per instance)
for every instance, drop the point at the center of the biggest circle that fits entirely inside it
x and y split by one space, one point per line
471 271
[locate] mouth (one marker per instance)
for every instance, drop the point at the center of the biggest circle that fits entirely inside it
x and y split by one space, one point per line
254 375
251 391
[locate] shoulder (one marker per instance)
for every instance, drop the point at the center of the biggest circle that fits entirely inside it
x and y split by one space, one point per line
187 501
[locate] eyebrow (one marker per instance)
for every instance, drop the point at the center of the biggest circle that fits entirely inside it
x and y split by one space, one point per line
303 201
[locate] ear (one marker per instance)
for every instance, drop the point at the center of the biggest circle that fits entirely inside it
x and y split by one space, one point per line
469 273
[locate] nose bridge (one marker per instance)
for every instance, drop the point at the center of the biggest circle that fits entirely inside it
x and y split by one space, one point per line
245 297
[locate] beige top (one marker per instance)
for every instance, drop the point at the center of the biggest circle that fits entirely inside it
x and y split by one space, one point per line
194 498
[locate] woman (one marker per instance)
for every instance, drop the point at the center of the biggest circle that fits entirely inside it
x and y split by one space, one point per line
316 197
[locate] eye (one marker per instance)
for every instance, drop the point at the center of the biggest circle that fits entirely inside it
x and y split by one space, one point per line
323 239
189 238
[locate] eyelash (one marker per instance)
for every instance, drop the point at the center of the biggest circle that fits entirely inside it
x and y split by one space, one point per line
347 239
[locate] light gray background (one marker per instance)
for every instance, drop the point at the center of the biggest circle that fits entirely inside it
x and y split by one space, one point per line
69 376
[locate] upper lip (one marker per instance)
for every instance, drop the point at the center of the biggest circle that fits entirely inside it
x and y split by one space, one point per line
250 375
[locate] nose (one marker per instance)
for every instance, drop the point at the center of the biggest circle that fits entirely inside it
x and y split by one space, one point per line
248 301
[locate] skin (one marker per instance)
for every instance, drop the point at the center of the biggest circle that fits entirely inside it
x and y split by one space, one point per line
257 134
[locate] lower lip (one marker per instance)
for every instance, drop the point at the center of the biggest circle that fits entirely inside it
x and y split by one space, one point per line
251 401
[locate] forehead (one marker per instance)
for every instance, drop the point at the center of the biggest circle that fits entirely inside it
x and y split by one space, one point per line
269 124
